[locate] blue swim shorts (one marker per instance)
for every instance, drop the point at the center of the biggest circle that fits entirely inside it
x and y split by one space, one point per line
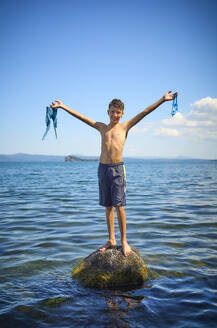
112 184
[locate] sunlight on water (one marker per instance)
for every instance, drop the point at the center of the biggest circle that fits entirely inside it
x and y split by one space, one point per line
50 220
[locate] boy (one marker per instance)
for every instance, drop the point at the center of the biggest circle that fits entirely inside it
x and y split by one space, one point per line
111 169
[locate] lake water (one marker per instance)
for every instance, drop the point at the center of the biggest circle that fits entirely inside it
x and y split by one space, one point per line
50 220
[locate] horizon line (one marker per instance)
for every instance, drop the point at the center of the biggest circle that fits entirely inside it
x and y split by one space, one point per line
127 156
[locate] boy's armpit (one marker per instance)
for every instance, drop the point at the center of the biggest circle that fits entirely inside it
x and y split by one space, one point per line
127 125
99 126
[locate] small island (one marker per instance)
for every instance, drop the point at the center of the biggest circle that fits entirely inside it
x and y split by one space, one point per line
71 158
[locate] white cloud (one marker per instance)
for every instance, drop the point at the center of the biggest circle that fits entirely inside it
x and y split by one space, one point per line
203 107
200 122
166 132
142 128
178 120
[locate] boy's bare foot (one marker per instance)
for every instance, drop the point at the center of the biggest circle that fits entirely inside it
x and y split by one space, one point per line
107 245
126 248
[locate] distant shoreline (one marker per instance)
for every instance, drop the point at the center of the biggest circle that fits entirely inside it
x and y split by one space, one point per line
23 157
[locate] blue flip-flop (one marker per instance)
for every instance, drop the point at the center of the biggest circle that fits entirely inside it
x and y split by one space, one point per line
51 114
174 105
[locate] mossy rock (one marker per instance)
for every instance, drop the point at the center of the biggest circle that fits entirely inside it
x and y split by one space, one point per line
111 269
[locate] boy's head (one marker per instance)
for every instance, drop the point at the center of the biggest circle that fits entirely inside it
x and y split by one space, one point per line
116 110
117 103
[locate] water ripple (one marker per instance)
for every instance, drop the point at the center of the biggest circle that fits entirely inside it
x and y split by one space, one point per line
49 224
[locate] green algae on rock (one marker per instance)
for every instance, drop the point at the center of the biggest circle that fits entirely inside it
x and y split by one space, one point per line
111 269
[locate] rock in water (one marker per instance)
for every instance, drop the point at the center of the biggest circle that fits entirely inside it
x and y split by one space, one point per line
111 269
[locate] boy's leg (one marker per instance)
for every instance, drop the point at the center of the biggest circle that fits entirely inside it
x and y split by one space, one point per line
110 216
122 226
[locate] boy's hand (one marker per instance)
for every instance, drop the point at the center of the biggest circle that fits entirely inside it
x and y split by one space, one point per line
168 96
58 104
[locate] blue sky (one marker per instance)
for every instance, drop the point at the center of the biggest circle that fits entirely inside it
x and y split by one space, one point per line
86 53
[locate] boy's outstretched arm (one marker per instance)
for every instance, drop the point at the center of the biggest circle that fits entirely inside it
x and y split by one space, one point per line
168 96
89 121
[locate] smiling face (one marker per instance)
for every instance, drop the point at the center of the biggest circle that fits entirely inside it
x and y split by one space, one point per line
115 114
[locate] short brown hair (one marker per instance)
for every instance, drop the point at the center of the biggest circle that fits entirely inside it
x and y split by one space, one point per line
117 103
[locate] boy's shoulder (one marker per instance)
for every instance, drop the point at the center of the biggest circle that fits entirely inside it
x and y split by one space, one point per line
100 126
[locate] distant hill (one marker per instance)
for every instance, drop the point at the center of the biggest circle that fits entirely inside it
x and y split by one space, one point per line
21 157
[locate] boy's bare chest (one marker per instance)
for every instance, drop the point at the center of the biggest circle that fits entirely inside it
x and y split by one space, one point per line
115 135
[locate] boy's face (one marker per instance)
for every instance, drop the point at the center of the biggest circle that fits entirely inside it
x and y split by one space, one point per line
115 114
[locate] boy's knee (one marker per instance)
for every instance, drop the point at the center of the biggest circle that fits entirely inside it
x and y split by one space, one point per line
109 208
119 208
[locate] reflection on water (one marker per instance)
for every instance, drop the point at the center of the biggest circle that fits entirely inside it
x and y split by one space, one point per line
50 219
119 307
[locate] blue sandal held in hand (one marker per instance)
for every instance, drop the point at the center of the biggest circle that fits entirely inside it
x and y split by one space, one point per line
51 114
174 105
